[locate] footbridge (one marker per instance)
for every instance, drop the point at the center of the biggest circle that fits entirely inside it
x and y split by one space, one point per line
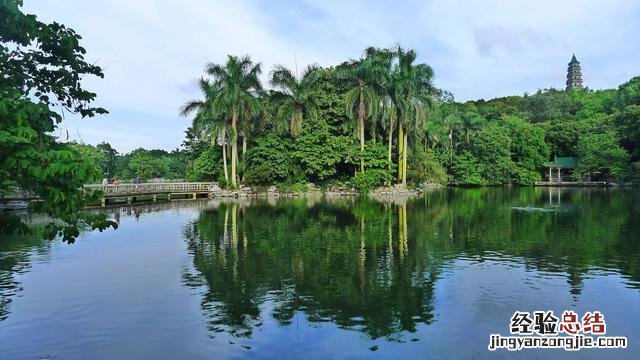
132 192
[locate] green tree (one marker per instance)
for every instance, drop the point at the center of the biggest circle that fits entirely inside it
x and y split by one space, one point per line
425 168
413 92
466 170
364 78
238 88
206 167
269 161
562 137
320 153
491 148
295 97
210 120
470 121
628 93
110 154
93 155
42 65
144 165
528 149
387 105
627 123
600 153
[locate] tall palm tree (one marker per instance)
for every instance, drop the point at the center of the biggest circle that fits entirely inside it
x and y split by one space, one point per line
294 96
364 77
254 120
470 122
413 91
209 121
388 108
389 119
434 134
239 85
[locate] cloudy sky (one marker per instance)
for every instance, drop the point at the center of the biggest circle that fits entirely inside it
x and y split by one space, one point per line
152 51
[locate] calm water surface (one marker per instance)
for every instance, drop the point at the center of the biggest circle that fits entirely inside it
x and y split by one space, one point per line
431 277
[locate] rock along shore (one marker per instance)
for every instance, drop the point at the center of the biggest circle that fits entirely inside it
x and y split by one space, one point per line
312 190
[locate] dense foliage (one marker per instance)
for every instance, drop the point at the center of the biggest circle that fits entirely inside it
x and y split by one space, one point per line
42 65
308 127
326 125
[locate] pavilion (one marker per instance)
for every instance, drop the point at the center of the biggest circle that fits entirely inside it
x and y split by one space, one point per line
560 164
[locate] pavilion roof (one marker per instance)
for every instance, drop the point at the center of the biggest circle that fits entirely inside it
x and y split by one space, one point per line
563 162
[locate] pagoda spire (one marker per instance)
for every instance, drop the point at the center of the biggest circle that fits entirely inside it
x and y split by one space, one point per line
574 74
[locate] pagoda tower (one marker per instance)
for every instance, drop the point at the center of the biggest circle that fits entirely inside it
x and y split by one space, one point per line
574 74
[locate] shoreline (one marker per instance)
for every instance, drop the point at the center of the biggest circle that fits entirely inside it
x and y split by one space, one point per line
273 192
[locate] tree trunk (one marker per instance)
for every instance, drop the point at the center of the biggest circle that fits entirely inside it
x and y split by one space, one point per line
234 150
224 157
361 115
390 148
244 155
400 233
404 159
400 139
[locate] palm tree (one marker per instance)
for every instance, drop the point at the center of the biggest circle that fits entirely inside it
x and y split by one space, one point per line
389 112
388 108
364 77
209 121
434 134
470 122
413 91
238 86
295 97
254 120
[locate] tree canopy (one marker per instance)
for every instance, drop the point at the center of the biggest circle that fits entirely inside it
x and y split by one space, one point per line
42 68
386 96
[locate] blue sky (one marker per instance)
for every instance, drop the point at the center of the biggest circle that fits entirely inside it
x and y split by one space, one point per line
153 52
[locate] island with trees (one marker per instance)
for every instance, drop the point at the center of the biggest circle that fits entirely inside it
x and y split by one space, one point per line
380 120
368 122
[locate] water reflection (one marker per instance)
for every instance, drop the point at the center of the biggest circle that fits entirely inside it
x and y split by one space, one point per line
373 266
15 251
345 263
304 277
18 250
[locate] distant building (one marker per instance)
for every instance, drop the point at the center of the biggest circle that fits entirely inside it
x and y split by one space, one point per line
574 74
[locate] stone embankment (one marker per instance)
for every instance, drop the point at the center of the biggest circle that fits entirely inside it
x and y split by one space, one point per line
313 190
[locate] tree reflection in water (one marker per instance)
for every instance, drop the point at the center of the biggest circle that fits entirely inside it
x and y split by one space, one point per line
373 266
345 263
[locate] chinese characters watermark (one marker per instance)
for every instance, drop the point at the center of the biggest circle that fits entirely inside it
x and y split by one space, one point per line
543 330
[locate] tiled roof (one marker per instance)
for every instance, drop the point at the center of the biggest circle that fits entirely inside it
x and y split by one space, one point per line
563 162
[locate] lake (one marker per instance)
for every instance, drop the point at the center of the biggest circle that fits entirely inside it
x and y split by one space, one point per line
430 277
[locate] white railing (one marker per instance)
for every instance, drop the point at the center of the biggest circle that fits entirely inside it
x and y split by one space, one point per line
152 188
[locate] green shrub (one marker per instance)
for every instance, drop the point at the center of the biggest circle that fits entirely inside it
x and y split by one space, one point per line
320 153
222 182
424 168
295 187
269 161
259 175
369 180
466 170
207 166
